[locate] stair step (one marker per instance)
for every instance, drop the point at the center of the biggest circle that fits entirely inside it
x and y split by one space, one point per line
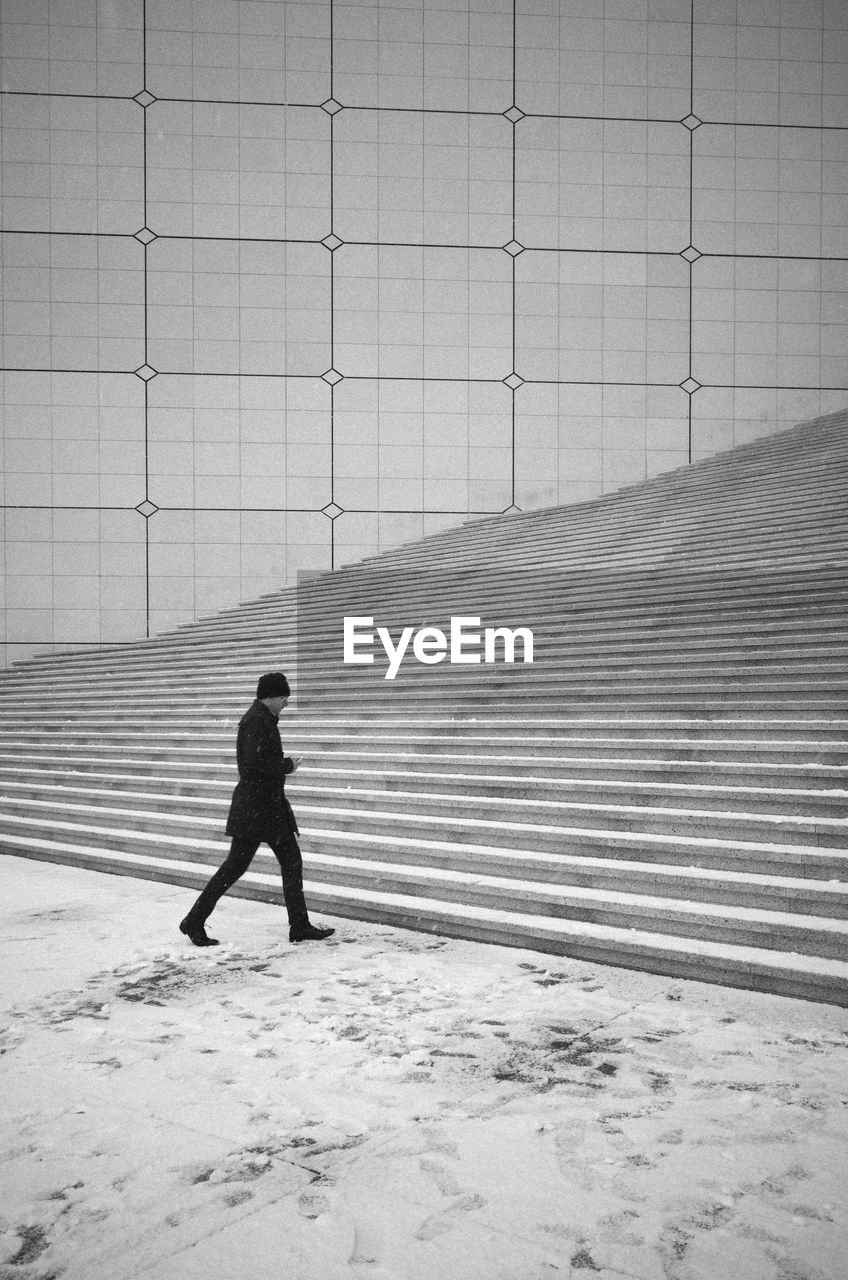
641 624
791 974
833 733
172 803
620 764
471 788
725 923
788 894
765 756
370 810
813 634
384 698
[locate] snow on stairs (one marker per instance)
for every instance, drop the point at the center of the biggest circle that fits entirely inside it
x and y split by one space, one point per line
665 788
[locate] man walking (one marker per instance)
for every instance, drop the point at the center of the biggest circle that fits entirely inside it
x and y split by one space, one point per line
260 813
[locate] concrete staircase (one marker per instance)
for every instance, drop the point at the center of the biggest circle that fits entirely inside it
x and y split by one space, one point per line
664 788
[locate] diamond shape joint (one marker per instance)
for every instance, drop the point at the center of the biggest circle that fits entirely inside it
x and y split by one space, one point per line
144 99
513 248
147 508
690 253
332 376
514 114
145 372
331 106
332 510
145 235
690 386
691 122
514 381
332 242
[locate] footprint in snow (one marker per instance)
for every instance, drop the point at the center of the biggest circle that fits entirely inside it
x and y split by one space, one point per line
367 1244
311 1204
438 1224
442 1176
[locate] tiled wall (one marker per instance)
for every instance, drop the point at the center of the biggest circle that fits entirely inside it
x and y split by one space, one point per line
288 282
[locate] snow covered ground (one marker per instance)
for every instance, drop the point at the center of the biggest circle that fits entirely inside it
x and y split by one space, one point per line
394 1106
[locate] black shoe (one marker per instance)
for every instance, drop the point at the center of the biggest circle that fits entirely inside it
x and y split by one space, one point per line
197 934
308 933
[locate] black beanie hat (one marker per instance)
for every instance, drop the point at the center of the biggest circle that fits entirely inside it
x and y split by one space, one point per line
273 685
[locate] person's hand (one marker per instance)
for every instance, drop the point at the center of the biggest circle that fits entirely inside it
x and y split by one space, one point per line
296 760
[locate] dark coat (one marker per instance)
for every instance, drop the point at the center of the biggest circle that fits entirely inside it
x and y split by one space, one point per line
259 807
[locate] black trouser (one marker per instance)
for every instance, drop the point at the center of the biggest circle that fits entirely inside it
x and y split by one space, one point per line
287 852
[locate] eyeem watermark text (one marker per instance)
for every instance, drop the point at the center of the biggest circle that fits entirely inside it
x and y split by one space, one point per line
430 644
